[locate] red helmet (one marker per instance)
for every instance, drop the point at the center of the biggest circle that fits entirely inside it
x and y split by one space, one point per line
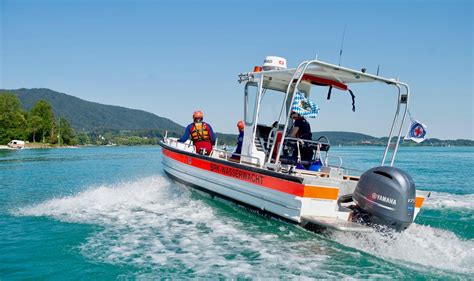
240 125
198 114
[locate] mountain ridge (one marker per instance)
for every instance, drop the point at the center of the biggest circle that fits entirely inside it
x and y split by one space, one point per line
99 118
93 116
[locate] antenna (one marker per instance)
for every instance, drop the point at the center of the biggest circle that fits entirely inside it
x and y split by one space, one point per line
342 44
378 68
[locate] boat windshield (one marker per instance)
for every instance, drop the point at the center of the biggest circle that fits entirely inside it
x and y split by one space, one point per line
251 98
271 104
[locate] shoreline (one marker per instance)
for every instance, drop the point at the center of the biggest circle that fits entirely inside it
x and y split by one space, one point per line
48 146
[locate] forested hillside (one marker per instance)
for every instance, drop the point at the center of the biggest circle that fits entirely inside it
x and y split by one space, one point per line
91 116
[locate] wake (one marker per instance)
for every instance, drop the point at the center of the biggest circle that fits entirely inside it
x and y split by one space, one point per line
441 200
157 226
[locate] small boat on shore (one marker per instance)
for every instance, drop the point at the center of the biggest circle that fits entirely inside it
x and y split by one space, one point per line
311 192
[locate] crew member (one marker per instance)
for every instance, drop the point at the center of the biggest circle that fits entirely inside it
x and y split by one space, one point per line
240 139
302 130
201 134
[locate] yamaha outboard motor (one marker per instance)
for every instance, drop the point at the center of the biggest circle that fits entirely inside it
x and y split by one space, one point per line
385 196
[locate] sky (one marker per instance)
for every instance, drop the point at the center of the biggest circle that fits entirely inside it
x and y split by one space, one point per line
173 57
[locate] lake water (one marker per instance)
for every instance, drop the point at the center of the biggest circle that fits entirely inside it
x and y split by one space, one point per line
111 213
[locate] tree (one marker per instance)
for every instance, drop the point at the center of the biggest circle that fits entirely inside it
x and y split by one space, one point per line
34 125
66 132
44 110
12 118
83 138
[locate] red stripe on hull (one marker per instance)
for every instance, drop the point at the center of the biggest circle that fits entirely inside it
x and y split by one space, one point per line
282 185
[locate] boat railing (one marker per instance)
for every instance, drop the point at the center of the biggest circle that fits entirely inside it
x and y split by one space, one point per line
326 161
296 77
315 142
292 88
175 143
228 154
350 169
317 146
326 146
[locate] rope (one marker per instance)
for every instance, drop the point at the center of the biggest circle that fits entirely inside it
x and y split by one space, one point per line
329 92
353 100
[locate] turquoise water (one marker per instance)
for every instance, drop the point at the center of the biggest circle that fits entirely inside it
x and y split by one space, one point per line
111 213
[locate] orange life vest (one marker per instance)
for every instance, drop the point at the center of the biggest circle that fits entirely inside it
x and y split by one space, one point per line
200 132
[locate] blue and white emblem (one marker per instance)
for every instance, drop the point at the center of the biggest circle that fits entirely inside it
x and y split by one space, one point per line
416 132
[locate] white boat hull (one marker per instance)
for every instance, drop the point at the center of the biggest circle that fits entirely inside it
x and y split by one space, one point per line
300 199
285 205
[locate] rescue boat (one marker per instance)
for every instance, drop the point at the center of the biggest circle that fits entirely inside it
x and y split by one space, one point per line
314 193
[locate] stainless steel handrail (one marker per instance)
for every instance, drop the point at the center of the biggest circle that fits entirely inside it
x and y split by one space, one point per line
326 163
229 153
395 118
214 149
299 72
297 140
306 141
175 141
401 124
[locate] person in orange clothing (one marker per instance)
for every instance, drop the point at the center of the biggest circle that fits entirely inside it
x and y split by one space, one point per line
201 134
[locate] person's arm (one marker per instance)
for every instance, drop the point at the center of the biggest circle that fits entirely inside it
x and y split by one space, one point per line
213 137
185 137
293 132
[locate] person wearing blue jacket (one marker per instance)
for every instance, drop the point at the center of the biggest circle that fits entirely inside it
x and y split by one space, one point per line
240 140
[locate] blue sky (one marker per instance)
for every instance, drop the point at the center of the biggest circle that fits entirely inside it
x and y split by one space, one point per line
172 57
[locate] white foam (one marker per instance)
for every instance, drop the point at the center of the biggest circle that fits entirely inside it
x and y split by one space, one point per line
441 200
418 245
158 226
161 229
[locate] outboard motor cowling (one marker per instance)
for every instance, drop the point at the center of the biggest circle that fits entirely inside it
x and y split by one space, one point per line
387 196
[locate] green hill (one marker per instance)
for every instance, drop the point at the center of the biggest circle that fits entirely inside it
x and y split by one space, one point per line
97 118
346 138
91 116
